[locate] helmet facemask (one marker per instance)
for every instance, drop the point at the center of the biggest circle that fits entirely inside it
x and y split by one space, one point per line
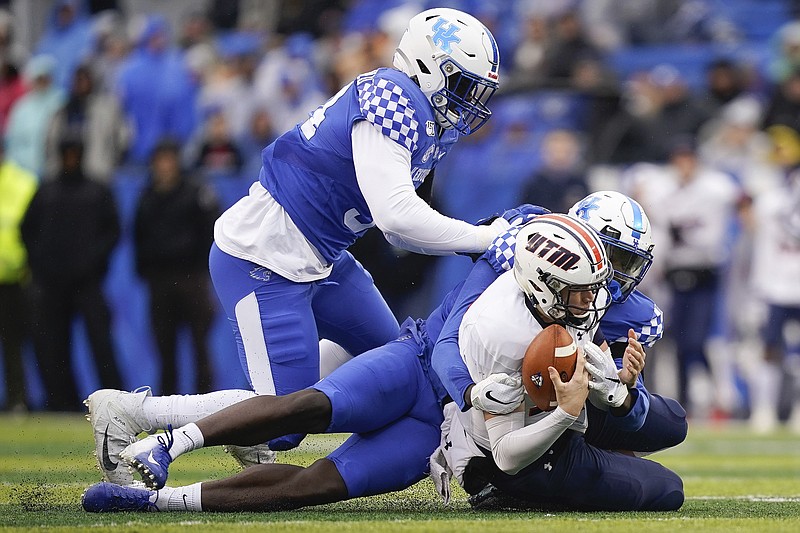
630 264
462 102
562 309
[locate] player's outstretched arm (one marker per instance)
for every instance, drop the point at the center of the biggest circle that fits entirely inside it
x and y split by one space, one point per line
383 172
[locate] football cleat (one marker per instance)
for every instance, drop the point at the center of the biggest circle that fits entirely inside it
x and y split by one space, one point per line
251 455
113 415
109 498
490 498
150 458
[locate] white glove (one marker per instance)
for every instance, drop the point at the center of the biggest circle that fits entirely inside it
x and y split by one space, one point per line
499 394
606 389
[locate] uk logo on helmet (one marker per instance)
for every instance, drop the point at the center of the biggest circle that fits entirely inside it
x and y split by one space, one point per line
445 36
588 204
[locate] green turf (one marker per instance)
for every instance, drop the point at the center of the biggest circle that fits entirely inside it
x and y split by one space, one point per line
735 481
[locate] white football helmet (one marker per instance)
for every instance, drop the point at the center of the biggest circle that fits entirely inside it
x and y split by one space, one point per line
625 230
555 256
455 62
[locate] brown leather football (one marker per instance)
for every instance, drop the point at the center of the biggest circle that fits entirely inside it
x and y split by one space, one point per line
555 347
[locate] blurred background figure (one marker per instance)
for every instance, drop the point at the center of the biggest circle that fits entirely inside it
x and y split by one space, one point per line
219 153
734 143
12 57
287 82
658 107
172 236
561 180
70 230
26 131
162 109
775 377
696 214
68 38
95 117
17 187
260 133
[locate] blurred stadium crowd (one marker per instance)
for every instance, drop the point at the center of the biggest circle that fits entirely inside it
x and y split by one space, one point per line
690 106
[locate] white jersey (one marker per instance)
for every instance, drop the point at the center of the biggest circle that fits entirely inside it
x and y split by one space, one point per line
776 252
697 216
494 334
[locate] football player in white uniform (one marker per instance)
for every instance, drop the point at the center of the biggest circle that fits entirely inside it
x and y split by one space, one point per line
544 459
279 262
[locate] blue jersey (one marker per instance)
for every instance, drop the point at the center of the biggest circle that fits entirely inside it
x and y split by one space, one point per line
638 312
309 170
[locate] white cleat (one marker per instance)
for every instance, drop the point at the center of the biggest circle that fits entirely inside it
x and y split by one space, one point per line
113 415
251 455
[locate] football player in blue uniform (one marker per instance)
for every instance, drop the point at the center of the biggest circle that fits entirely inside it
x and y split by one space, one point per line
654 422
392 401
279 262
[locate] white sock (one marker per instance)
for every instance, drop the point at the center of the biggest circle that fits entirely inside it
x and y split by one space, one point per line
178 499
179 410
186 439
331 357
765 387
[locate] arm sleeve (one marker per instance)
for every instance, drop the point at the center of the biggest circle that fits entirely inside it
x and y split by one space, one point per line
446 358
515 445
384 177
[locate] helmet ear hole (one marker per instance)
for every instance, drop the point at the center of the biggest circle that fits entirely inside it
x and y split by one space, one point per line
422 67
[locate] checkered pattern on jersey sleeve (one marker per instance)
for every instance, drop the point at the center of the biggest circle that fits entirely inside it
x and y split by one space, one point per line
653 331
384 104
500 254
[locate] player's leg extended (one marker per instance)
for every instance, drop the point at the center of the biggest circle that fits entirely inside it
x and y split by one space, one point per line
247 423
366 394
385 392
271 487
275 487
350 310
578 476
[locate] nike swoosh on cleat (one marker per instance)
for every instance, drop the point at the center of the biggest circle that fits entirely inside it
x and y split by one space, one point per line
489 395
108 464
185 505
151 459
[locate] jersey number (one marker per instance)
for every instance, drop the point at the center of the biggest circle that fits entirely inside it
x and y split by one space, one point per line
309 127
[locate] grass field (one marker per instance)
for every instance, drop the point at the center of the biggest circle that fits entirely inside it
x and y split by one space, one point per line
734 481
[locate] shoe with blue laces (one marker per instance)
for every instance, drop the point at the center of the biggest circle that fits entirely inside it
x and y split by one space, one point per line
150 458
107 497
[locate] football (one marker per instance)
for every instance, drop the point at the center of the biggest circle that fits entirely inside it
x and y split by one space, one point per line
555 347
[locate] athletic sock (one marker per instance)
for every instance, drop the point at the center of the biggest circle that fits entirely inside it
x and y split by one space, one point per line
178 499
179 410
186 439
